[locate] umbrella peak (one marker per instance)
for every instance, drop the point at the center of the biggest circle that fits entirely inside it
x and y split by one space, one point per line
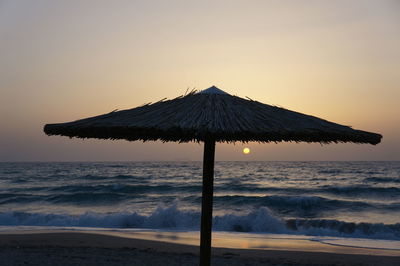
213 90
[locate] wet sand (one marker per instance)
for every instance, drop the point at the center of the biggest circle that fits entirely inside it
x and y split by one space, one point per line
155 248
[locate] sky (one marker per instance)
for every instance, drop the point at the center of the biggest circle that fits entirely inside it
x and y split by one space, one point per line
65 60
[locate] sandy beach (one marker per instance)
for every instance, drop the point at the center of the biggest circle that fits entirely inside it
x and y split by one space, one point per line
99 248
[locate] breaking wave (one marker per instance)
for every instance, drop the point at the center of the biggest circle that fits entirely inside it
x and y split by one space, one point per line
172 218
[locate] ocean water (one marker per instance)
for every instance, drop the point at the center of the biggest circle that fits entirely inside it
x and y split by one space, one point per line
340 199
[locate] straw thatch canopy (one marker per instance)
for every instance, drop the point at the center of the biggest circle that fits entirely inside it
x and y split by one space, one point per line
210 116
214 114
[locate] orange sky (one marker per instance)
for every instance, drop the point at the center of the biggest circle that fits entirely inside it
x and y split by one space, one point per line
65 60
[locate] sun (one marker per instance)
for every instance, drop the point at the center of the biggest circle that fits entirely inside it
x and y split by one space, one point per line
246 150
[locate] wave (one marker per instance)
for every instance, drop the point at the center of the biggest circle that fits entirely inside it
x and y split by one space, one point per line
361 191
123 188
375 230
143 185
302 206
132 184
382 179
103 177
259 221
294 206
331 171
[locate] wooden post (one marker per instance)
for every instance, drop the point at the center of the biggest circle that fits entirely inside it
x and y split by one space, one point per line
207 202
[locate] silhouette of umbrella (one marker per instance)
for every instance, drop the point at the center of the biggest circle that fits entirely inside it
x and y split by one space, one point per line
210 116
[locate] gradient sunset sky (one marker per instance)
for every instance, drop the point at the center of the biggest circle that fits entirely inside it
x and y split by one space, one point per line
65 60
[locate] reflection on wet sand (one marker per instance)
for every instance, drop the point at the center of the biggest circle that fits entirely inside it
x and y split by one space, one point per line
271 242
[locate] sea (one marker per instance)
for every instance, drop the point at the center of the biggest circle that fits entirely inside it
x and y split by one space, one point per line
338 199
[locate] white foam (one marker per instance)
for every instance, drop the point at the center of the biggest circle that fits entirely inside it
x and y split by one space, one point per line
361 243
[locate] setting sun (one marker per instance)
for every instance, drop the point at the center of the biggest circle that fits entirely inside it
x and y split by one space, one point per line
246 151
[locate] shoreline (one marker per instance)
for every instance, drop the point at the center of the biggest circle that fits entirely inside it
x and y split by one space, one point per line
67 247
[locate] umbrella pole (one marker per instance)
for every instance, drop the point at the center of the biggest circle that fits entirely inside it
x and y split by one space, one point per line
207 201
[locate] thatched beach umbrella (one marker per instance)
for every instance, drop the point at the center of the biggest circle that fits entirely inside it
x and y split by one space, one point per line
210 116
